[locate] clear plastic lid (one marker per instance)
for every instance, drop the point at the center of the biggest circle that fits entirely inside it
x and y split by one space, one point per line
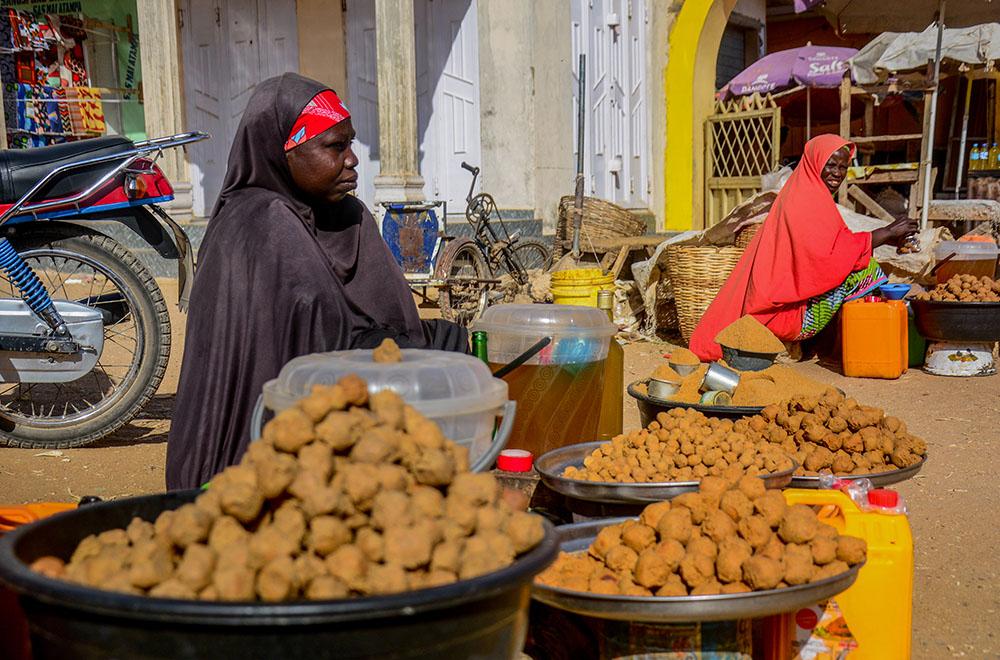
966 250
437 383
578 334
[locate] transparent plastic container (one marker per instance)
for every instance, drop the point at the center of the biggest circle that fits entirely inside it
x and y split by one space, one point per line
559 390
971 258
456 391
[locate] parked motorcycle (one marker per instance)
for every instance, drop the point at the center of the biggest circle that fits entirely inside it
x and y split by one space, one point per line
84 329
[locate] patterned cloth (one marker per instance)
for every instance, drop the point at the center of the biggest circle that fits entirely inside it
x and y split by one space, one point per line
821 309
86 111
324 111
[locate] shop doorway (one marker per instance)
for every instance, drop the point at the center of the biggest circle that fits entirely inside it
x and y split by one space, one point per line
228 47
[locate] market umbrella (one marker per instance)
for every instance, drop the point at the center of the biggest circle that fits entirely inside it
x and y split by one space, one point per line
809 66
873 16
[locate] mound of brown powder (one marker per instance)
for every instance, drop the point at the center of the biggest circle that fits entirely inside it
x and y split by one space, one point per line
664 372
684 357
748 334
690 390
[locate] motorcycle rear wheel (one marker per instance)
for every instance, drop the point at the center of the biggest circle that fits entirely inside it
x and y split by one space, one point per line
61 415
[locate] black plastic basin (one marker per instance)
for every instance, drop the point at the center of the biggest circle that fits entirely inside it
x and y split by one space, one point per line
485 617
957 321
650 407
747 361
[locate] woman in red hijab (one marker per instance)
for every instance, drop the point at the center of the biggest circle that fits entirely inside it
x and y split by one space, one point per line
804 262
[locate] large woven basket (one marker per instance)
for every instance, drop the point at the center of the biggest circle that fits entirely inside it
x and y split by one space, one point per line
746 235
601 219
697 274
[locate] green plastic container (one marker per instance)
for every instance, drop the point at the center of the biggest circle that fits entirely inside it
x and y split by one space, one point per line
917 347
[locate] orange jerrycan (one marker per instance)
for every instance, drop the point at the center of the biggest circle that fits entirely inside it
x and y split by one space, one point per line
878 607
875 338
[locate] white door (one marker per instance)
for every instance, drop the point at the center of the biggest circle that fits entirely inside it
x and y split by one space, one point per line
611 33
204 67
447 85
453 133
229 47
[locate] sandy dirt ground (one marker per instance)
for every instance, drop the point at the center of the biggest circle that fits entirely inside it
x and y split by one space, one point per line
956 526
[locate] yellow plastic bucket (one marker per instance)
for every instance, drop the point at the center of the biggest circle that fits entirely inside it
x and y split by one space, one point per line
580 286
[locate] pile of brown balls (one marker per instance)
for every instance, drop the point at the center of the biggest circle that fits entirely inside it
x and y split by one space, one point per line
681 445
728 538
964 288
835 434
347 494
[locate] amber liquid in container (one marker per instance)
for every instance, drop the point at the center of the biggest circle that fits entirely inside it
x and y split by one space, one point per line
557 404
974 267
610 423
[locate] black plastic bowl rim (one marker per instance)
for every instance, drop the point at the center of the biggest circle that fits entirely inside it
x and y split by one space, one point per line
748 411
28 583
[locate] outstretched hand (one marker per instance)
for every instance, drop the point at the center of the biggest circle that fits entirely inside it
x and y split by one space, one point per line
895 231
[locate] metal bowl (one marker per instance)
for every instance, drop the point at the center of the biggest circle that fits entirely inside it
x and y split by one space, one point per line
878 479
654 609
957 321
551 464
649 407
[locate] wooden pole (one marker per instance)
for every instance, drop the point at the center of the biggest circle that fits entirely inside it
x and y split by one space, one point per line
845 123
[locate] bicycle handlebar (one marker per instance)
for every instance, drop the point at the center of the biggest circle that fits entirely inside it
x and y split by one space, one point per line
470 168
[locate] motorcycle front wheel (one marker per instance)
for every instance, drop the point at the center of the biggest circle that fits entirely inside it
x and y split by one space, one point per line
85 266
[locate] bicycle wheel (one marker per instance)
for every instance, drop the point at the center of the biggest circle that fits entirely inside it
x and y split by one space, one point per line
464 297
533 255
78 264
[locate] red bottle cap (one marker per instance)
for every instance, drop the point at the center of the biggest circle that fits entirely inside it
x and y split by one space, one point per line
883 498
515 460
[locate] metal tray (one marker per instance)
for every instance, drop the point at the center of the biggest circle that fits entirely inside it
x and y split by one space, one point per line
550 467
649 407
878 479
653 609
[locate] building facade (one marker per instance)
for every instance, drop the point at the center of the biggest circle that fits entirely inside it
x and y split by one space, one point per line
490 82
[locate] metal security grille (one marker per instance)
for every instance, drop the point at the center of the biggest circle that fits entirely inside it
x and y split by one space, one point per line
742 142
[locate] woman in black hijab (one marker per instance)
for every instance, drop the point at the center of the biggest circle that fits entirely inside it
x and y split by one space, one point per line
291 264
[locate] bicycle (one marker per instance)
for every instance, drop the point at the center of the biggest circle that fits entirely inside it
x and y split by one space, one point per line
467 262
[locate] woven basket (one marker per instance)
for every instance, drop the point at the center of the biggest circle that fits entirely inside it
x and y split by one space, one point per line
697 274
744 237
601 219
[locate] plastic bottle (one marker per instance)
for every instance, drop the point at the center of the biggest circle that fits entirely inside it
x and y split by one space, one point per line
610 423
974 158
993 163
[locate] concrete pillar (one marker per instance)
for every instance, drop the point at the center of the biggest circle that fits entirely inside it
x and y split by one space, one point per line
399 178
555 166
162 93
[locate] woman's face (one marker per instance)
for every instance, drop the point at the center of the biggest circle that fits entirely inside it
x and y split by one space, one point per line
323 167
835 170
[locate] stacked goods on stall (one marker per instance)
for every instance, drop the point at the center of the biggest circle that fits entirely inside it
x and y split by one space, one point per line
50 91
964 288
347 494
732 536
681 445
835 434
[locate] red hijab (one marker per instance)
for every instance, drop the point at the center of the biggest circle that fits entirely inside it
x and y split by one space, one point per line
802 250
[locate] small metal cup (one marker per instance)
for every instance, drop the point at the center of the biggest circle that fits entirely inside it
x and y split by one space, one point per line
716 398
662 389
721 379
683 369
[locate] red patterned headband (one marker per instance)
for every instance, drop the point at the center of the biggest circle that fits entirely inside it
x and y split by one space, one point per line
322 112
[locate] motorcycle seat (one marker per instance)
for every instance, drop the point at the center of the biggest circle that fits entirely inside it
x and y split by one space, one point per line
20 169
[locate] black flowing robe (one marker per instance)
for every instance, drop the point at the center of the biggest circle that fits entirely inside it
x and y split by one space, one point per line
278 277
